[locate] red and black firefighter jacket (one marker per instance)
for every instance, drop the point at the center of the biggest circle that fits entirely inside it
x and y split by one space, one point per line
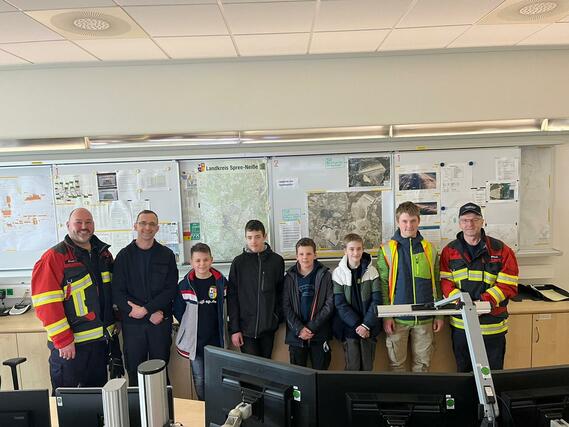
71 292
491 275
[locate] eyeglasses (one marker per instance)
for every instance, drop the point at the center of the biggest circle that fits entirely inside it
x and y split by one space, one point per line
470 221
150 224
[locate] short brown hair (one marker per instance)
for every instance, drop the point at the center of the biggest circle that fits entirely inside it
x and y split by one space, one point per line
353 237
146 211
306 241
200 247
255 225
409 208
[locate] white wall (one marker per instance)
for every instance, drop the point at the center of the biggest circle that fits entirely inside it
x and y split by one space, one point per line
84 100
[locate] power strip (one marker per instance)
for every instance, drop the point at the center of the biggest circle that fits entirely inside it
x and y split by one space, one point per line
16 291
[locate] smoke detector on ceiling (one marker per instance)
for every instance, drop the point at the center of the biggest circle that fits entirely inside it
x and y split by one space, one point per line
101 23
528 12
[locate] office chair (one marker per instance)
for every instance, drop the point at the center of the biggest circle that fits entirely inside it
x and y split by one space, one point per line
13 363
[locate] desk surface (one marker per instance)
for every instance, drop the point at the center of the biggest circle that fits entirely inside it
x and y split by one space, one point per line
191 413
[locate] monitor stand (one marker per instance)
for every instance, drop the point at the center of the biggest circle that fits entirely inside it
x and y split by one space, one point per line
461 304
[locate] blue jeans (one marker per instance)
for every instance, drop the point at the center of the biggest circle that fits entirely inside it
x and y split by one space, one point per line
198 375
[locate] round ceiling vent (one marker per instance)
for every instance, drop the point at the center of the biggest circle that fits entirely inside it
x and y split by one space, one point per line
534 11
90 23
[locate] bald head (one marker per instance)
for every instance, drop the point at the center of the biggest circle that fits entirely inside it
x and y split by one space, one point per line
80 227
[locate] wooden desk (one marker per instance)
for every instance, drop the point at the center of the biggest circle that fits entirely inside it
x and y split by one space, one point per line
191 413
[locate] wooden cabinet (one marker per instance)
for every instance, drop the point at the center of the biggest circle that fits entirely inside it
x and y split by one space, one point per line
34 372
8 349
519 342
539 339
550 339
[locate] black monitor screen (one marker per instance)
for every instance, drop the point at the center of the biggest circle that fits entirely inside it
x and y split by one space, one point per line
280 394
395 409
532 397
25 408
396 399
84 406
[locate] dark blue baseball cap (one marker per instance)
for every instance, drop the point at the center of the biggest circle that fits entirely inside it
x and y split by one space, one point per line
470 208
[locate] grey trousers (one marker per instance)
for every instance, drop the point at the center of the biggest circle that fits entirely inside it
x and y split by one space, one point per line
359 354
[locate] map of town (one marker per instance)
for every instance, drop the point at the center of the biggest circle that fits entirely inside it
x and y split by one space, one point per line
230 193
27 220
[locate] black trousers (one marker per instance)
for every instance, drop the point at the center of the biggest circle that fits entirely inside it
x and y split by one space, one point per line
260 346
318 352
88 369
144 341
495 349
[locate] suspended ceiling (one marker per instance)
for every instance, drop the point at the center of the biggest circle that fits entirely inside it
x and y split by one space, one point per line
71 31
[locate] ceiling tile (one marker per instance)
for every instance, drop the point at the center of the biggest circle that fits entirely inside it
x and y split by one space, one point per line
123 49
359 14
421 38
9 59
197 47
161 2
198 20
260 18
272 44
496 35
255 1
18 27
59 4
49 52
347 41
432 13
553 34
5 7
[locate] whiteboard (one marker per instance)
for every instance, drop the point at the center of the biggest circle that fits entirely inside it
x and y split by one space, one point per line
327 196
442 181
27 216
115 193
218 198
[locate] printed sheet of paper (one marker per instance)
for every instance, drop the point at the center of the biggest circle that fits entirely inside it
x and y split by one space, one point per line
552 295
287 183
128 185
27 221
507 169
290 232
154 180
365 172
499 192
456 178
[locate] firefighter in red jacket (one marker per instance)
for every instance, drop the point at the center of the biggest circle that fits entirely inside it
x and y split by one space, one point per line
71 293
487 269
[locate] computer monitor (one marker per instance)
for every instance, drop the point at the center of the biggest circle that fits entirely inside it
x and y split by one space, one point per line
25 408
532 397
281 395
83 406
396 399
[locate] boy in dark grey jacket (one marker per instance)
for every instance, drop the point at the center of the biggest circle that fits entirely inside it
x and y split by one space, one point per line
308 304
